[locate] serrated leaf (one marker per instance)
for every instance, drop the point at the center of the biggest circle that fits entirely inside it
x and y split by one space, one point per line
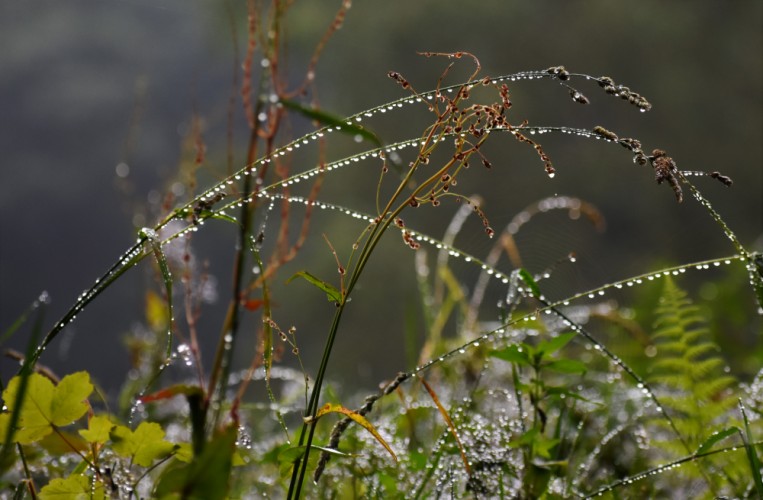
46 404
358 419
74 487
34 415
69 398
144 445
98 429
331 292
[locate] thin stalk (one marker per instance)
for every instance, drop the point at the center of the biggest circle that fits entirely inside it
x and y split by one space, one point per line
387 216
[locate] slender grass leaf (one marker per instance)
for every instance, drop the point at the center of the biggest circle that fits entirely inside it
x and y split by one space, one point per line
156 247
332 293
756 278
715 438
8 333
335 121
10 424
752 455
528 279
209 214
357 418
450 424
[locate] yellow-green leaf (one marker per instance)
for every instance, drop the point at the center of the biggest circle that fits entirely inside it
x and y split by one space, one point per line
34 415
357 418
98 429
45 404
157 313
74 487
332 293
5 420
184 452
69 398
144 445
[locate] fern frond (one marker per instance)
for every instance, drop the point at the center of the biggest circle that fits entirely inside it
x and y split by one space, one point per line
689 372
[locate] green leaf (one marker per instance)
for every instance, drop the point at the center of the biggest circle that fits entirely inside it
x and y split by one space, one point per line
556 343
716 437
144 445
756 277
566 366
331 120
539 443
530 282
74 487
333 294
207 476
46 404
219 216
161 260
517 354
752 455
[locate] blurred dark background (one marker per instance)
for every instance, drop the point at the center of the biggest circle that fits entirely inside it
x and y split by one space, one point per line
88 85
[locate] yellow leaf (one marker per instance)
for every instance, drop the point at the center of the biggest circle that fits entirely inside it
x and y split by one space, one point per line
357 418
157 315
